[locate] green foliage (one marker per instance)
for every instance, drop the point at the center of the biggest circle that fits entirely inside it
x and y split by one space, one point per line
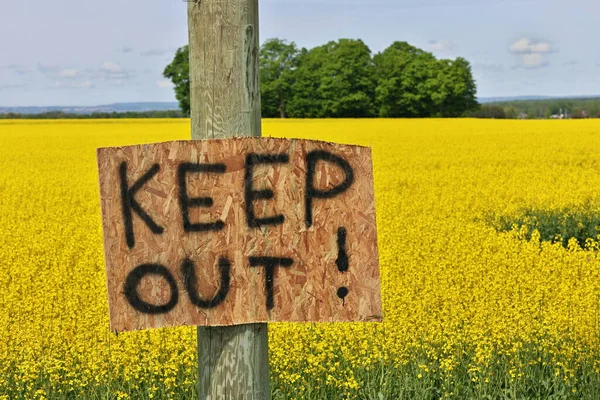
510 112
341 79
488 111
556 226
457 91
334 80
278 61
96 115
537 109
529 373
179 73
403 74
413 83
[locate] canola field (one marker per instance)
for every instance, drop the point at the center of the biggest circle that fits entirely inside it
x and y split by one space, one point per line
488 252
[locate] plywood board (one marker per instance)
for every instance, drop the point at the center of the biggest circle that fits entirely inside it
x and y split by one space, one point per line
236 231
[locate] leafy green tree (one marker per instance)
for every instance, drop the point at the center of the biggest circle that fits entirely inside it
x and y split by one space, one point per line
404 74
413 83
342 79
334 80
511 112
487 111
278 61
179 73
457 92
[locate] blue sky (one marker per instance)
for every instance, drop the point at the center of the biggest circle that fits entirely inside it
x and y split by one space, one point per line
83 52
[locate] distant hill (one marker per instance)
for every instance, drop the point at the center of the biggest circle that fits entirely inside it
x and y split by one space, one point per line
484 100
107 108
539 108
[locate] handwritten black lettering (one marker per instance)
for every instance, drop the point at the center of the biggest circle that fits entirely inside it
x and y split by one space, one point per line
133 280
312 158
185 202
191 284
270 263
250 194
342 293
129 203
342 259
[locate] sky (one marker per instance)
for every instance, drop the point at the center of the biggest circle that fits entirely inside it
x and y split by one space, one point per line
81 52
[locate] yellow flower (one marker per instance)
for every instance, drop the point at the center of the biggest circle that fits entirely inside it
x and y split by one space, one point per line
470 281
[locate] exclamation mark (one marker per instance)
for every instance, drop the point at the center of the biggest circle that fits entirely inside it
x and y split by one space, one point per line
342 261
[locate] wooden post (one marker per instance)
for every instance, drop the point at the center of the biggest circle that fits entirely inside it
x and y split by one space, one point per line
225 102
224 72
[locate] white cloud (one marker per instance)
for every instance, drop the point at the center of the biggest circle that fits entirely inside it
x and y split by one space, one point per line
85 84
440 45
68 73
531 53
75 85
111 71
533 60
526 45
111 67
520 46
164 83
55 71
540 47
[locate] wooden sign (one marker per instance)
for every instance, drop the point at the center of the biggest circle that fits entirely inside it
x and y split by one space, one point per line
237 231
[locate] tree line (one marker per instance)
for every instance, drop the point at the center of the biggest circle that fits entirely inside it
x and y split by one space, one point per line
343 79
540 109
95 115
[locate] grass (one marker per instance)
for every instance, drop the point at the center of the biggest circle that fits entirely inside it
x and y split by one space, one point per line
555 226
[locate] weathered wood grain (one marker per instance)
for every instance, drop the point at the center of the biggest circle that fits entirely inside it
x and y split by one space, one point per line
306 290
237 356
224 76
225 102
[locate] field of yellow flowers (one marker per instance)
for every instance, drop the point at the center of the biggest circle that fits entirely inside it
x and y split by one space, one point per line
488 250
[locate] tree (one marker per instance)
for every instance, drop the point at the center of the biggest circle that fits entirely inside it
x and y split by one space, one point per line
179 73
487 111
402 72
413 83
278 61
511 112
579 112
334 80
341 79
457 92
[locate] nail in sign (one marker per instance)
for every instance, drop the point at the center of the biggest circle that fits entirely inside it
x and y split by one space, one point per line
237 231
